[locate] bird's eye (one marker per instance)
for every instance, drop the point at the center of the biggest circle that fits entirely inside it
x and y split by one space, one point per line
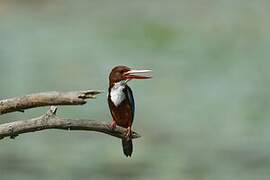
118 73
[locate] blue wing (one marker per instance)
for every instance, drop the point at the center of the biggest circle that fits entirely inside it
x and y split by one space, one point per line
131 101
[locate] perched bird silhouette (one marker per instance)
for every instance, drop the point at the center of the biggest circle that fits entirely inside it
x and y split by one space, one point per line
121 101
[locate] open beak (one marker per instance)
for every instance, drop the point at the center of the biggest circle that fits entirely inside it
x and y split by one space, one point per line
132 74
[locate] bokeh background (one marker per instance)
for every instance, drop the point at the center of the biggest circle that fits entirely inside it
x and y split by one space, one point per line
204 116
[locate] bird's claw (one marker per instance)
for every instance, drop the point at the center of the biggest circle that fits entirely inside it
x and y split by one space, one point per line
113 125
128 133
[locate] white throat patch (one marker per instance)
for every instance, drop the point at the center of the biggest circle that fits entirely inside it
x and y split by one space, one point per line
117 94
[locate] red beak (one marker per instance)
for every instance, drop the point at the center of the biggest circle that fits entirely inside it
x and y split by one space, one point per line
131 74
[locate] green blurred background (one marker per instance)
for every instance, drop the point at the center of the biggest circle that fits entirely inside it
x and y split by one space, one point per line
204 116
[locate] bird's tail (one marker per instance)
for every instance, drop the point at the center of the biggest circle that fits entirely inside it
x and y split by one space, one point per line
127 146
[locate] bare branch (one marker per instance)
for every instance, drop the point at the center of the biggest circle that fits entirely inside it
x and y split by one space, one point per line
46 99
51 121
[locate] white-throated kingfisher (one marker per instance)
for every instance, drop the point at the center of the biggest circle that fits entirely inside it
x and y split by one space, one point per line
121 101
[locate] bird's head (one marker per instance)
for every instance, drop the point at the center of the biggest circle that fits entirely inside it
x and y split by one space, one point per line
124 73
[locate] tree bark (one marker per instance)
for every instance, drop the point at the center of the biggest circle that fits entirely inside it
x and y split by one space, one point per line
51 121
46 99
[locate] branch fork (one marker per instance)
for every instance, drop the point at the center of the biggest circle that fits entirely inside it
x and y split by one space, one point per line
50 120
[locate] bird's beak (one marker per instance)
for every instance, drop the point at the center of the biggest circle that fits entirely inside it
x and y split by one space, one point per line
132 74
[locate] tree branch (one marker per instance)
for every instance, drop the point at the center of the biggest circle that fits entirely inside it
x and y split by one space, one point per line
46 99
51 121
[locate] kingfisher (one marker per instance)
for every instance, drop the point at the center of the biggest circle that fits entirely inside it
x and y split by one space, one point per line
121 101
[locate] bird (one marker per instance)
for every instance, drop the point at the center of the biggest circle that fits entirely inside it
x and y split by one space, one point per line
121 102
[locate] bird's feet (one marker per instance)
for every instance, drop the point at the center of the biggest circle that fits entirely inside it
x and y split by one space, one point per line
128 133
113 125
